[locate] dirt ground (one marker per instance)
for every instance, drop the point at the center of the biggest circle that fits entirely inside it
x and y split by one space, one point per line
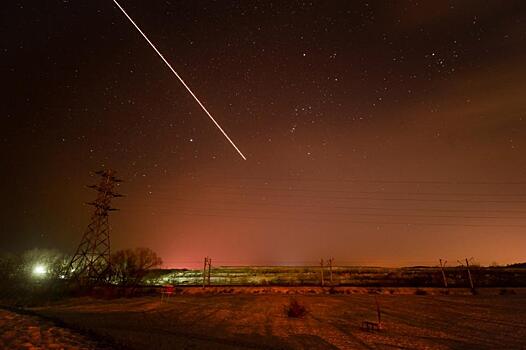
28 332
245 321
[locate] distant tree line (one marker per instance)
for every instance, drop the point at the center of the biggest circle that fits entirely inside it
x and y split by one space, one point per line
128 267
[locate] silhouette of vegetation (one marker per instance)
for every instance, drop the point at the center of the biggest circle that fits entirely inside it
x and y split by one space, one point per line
295 310
130 266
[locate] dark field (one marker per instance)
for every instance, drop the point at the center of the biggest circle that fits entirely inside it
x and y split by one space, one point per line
244 321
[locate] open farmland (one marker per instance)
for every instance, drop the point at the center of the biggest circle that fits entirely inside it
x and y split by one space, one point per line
243 321
348 276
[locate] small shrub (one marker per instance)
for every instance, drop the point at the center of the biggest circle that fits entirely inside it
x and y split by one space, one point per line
420 292
507 292
295 309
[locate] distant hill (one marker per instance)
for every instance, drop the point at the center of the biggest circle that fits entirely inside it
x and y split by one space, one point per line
518 265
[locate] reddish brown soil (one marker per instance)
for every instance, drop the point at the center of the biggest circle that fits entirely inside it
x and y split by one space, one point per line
239 321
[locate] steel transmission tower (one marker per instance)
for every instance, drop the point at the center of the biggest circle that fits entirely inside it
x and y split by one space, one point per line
92 258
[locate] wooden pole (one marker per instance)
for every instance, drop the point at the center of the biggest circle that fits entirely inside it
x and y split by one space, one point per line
378 313
442 265
209 268
330 268
469 275
322 280
204 271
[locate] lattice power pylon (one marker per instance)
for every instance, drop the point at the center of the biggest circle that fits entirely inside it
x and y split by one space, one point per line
92 258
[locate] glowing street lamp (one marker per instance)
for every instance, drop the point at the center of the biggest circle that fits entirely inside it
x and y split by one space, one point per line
39 270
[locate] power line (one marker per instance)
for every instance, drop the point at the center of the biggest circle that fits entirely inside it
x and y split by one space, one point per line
332 220
352 221
394 199
354 213
377 181
288 189
459 200
280 204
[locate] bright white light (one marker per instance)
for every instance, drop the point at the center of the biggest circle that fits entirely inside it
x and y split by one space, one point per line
39 270
180 79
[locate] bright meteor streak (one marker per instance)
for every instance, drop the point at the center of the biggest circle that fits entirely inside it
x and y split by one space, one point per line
181 80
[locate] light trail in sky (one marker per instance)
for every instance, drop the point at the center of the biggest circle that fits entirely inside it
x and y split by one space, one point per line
180 79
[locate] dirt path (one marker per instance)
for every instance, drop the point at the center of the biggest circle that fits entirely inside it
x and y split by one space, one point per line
29 332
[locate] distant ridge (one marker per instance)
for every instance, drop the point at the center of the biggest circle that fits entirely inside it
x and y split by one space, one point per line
519 265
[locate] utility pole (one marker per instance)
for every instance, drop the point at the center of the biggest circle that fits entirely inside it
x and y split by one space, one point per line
209 268
322 279
206 276
204 271
442 266
91 260
330 268
378 312
469 273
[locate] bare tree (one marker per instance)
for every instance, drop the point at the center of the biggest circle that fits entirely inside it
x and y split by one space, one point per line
129 266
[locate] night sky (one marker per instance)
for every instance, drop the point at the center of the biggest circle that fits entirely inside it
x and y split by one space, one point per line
387 133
